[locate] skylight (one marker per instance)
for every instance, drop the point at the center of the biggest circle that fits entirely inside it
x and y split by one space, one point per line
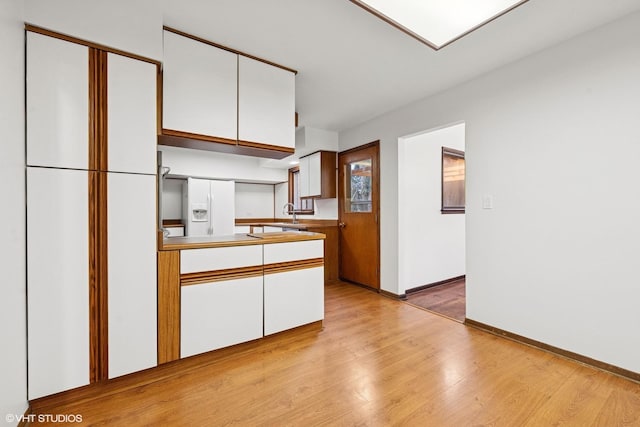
438 22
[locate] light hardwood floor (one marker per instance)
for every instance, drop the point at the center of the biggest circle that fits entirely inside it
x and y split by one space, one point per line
378 362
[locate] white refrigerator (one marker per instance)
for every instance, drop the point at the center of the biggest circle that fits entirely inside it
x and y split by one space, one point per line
208 207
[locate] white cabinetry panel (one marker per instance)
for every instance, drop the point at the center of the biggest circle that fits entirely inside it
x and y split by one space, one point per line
303 178
57 103
293 251
220 314
243 229
199 88
132 273
293 299
132 118
57 271
266 103
315 175
194 260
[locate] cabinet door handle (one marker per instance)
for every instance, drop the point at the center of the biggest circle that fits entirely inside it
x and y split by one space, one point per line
342 225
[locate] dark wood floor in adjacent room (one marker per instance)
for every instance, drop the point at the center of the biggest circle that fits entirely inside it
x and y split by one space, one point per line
378 362
448 299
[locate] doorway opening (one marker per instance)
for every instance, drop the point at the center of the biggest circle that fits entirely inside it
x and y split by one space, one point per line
431 234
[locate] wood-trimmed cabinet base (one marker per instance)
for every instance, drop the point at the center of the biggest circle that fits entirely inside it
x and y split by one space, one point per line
211 298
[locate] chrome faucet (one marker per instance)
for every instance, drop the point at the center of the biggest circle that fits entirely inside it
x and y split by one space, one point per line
293 210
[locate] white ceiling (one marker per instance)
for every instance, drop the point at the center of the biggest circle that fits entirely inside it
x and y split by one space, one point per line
353 66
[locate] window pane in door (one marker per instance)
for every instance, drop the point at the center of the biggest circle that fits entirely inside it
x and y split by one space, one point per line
358 191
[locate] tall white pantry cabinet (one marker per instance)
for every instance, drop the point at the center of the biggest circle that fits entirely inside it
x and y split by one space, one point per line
62 199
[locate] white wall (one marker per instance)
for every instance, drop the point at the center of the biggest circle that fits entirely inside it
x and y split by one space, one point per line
172 199
130 25
322 208
207 164
13 329
554 139
254 200
430 245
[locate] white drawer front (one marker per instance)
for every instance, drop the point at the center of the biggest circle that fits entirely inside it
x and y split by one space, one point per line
283 252
194 260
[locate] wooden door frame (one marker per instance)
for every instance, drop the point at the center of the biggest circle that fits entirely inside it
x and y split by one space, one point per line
377 195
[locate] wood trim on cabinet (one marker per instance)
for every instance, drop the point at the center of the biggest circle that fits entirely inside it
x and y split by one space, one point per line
603 366
45 32
102 114
331 249
98 107
172 223
308 223
253 221
198 136
228 49
98 278
283 267
220 275
175 138
159 104
168 306
93 150
262 146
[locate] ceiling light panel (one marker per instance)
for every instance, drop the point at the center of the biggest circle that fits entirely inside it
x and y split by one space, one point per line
438 22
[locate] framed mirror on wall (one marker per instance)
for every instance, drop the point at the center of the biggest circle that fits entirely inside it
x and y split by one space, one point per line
453 180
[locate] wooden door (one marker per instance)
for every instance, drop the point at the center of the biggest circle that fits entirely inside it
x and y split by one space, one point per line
359 207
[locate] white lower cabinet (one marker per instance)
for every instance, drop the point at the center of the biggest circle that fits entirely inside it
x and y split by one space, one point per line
132 289
287 291
57 290
220 314
293 299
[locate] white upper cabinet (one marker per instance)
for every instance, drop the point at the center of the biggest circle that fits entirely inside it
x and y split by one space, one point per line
132 117
266 104
315 176
303 178
57 103
200 88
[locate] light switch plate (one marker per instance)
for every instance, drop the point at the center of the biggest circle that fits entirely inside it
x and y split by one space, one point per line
487 201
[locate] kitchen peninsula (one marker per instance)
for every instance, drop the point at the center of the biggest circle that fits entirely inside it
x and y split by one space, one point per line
218 291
